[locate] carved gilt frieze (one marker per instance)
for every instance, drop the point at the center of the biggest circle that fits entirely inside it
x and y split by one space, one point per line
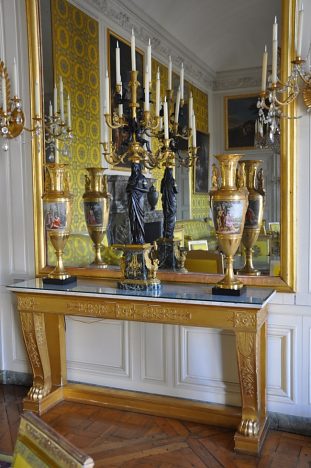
246 347
26 303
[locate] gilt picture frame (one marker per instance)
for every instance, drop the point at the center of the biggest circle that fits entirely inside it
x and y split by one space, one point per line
241 114
119 136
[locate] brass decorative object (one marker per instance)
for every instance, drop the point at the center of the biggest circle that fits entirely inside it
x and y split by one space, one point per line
57 207
228 204
254 213
96 202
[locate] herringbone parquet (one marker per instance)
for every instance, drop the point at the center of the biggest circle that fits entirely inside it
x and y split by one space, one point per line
126 439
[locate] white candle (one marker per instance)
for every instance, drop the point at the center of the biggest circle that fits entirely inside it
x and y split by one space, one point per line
68 112
4 103
61 99
165 120
158 91
55 99
14 80
299 33
106 131
50 110
37 99
170 71
177 105
161 124
190 110
274 51
194 132
264 70
120 107
107 93
118 75
182 82
149 60
133 51
147 103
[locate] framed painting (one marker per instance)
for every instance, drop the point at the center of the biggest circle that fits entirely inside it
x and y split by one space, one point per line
120 136
241 114
200 173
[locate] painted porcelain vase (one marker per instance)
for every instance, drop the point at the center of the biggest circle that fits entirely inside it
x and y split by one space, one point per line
57 209
254 214
96 201
228 206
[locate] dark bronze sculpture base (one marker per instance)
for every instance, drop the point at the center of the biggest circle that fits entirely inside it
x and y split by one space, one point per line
228 292
171 255
139 265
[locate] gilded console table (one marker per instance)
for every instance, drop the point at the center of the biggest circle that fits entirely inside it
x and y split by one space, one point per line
42 310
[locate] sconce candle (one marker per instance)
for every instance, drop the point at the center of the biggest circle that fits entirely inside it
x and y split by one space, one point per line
194 132
299 35
264 70
274 51
169 81
37 99
147 83
149 60
118 75
107 93
166 135
158 90
182 82
68 112
190 111
133 51
14 81
61 99
50 110
4 98
55 99
177 105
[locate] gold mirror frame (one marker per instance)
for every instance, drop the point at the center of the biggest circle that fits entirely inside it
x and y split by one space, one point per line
287 279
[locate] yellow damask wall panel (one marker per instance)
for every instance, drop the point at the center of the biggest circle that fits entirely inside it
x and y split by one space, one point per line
76 59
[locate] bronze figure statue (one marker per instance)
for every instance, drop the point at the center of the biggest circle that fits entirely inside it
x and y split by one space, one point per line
135 189
169 202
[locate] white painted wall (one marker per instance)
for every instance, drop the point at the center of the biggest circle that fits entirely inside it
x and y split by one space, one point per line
180 361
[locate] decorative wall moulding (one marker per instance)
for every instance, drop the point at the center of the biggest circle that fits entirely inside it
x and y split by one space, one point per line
163 44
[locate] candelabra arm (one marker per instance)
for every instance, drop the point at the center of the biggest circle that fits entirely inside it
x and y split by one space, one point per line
37 122
114 121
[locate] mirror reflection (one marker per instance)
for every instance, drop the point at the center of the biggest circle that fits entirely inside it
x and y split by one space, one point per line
78 46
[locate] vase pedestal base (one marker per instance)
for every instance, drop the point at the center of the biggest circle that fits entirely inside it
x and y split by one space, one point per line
228 292
59 281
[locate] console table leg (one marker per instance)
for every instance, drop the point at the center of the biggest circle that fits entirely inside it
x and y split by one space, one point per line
251 356
33 326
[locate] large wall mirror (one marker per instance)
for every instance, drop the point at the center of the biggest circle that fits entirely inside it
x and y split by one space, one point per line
87 98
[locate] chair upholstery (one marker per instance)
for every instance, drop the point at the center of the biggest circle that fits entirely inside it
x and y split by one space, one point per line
205 261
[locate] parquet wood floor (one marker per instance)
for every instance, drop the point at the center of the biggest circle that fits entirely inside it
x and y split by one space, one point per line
125 439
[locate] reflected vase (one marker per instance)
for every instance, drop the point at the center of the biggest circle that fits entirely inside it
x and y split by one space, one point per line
228 207
57 210
254 214
96 201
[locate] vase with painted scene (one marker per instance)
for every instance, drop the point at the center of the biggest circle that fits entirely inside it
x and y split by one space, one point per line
254 213
57 211
228 207
96 201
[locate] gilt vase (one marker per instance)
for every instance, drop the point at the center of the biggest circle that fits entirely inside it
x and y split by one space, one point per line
228 206
96 201
57 210
254 214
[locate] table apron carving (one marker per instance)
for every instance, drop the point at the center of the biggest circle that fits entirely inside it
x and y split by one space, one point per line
42 319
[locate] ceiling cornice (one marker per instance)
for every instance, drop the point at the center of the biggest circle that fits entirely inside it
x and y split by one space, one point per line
163 43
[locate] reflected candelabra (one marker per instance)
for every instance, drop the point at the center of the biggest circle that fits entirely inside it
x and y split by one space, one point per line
58 131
